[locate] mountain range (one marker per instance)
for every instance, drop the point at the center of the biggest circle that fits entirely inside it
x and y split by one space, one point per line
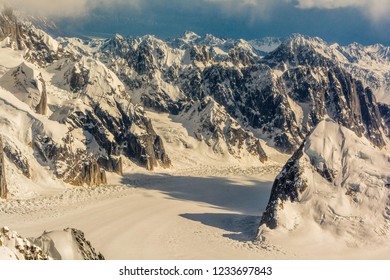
72 110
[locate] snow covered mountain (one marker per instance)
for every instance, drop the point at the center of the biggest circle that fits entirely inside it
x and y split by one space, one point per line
73 110
335 182
208 121
299 83
65 112
280 97
69 244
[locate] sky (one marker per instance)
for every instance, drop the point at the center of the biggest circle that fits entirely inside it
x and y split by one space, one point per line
342 21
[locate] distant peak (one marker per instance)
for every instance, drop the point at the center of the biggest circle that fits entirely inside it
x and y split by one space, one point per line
190 34
302 39
118 37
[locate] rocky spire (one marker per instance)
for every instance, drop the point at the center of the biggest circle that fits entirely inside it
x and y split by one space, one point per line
41 108
3 182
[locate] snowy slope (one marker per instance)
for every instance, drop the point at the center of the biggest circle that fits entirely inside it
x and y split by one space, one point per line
69 244
27 84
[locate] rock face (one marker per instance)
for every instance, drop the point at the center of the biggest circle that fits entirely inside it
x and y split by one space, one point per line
74 167
318 87
225 92
41 107
336 182
115 123
39 46
99 125
3 182
69 244
385 112
208 121
15 247
88 252
287 186
282 96
16 157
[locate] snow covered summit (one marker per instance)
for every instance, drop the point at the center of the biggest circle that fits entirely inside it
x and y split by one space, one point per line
336 183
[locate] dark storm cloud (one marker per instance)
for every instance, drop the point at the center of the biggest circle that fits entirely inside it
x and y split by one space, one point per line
343 21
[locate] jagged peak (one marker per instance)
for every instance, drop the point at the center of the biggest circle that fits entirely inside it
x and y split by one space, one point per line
118 37
299 49
190 35
297 40
211 40
41 22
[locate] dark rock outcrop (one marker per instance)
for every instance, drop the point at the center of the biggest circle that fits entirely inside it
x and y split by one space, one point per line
208 121
74 167
384 110
17 158
283 95
19 247
23 37
69 244
41 107
287 185
85 247
77 247
3 181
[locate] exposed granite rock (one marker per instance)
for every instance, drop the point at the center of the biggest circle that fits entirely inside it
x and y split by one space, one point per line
286 186
133 136
74 167
85 247
208 121
3 182
78 78
19 247
384 110
17 158
41 107
283 95
113 122
111 164
143 144
22 36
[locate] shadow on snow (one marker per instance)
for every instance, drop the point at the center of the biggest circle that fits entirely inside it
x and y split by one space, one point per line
247 197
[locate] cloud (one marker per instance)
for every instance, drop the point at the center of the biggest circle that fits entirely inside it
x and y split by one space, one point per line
252 9
249 10
376 10
65 8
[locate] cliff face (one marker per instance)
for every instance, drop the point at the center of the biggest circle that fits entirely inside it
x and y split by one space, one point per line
208 121
3 182
39 47
74 167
